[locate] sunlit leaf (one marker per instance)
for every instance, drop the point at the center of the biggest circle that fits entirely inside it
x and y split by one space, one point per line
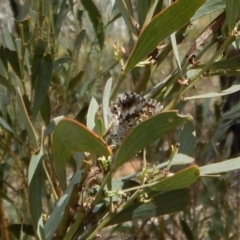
162 25
179 180
221 167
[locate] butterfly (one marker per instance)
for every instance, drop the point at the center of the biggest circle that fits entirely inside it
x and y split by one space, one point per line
128 111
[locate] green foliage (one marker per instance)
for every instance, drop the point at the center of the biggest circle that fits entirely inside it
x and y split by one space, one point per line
60 72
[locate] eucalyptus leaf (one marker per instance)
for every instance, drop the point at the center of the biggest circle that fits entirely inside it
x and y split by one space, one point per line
42 83
179 180
234 88
55 218
220 167
147 132
106 100
70 137
26 120
93 107
165 22
169 202
35 185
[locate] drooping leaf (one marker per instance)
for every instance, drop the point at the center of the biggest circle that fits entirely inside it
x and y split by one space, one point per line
37 59
161 26
46 110
23 11
42 83
56 216
70 137
96 19
75 80
79 39
60 16
126 14
5 125
35 186
147 132
26 120
3 63
6 198
13 59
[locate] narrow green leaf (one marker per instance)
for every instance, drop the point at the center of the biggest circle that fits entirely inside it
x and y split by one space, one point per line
175 52
60 16
151 11
46 110
8 39
126 15
74 81
162 25
147 132
230 63
12 58
57 64
5 125
92 109
96 19
18 229
6 83
79 39
232 89
70 137
37 59
182 179
6 198
166 203
42 83
3 63
23 11
221 167
186 229
35 181
56 216
26 120
50 128
106 100
232 13
142 10
187 139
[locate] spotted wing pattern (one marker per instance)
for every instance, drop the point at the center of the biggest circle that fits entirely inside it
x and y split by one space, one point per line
129 110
